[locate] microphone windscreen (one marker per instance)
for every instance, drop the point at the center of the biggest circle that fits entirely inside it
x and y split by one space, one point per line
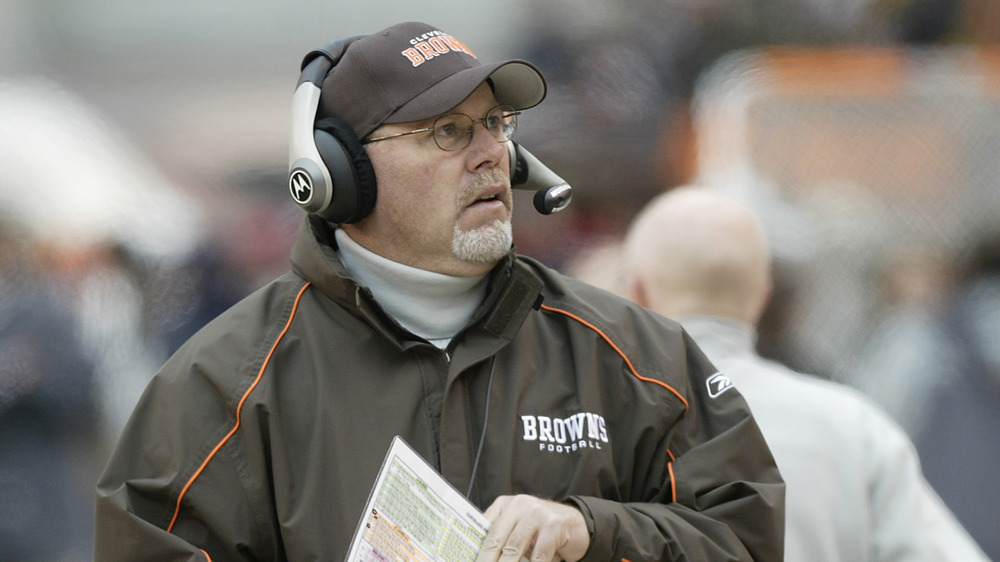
553 199
552 193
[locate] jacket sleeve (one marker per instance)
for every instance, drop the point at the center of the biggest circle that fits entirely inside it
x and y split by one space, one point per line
171 491
721 498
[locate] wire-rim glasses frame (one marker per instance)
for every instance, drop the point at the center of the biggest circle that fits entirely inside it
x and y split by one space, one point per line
453 131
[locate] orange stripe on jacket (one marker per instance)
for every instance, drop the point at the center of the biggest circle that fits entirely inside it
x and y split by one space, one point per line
673 481
620 352
239 411
670 465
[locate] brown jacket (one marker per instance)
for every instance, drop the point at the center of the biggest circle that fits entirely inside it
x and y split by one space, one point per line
261 438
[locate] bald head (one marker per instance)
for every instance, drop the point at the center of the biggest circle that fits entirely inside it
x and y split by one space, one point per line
695 250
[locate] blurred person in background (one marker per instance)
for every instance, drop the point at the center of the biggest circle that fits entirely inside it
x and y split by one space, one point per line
47 413
135 310
855 487
904 360
958 443
110 303
932 364
410 314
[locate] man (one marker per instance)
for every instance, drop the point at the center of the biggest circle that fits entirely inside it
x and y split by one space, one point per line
582 423
854 487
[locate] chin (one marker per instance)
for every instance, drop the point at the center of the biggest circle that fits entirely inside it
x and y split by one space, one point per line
486 244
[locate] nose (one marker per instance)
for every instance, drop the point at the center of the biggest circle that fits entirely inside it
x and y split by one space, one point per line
484 149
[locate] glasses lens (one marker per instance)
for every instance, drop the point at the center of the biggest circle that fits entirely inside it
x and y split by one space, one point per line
502 122
452 132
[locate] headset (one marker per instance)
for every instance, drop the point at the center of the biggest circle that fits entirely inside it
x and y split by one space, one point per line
329 172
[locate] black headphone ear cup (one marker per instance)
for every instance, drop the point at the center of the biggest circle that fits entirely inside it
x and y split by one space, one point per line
354 198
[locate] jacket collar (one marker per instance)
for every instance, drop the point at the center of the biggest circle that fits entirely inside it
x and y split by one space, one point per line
513 289
314 257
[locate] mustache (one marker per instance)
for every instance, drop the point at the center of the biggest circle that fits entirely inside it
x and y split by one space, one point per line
483 180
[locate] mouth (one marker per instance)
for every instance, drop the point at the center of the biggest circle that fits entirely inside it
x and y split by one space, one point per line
493 194
489 204
486 199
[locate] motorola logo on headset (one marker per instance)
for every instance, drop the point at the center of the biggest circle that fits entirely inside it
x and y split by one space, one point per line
330 174
301 186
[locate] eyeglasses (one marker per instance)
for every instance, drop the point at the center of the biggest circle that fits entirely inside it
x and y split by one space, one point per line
454 131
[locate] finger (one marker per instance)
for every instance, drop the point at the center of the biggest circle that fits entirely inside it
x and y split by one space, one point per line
496 508
496 537
518 543
490 550
544 549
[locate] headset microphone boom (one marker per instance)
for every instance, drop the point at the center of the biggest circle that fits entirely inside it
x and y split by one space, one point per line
552 193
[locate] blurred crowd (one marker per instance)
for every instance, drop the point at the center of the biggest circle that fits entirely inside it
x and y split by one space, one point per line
81 333
87 316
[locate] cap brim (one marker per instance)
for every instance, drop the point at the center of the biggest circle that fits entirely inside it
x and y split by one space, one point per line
518 84
515 82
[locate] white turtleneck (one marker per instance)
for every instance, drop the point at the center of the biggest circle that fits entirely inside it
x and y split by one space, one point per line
432 305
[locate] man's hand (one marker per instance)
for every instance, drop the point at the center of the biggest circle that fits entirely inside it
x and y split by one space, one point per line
539 530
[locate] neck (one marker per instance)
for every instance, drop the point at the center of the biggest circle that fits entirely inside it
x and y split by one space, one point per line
431 305
720 336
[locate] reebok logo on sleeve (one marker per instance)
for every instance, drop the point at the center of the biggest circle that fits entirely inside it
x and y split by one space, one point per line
717 384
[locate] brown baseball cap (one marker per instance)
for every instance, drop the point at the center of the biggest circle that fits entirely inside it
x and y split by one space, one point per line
413 71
